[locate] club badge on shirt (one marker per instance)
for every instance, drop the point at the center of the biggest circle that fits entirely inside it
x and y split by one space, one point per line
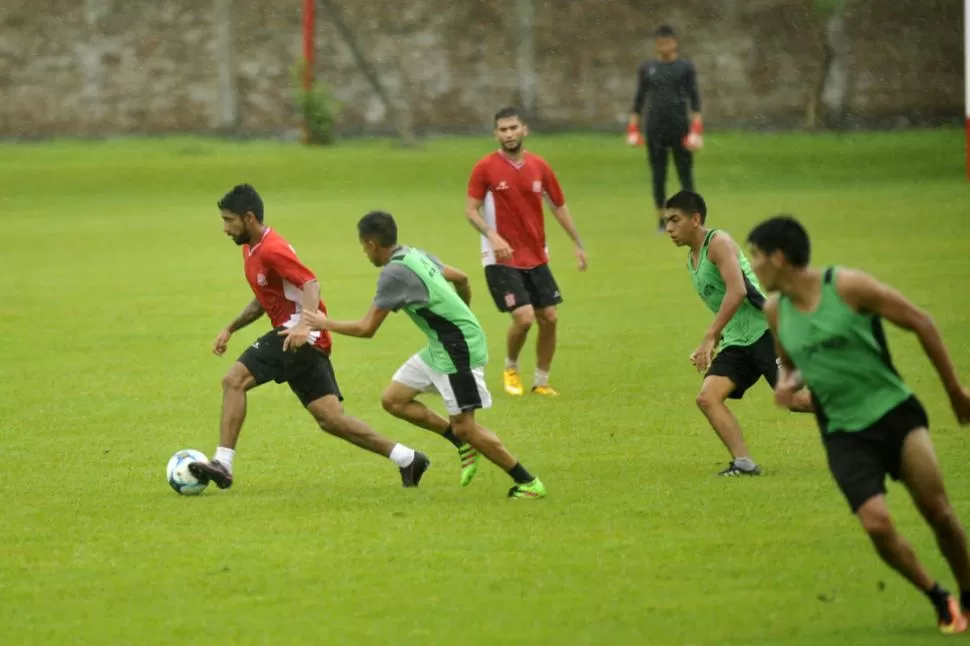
537 186
261 279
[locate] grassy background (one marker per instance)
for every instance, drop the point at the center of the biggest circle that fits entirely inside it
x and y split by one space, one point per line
116 278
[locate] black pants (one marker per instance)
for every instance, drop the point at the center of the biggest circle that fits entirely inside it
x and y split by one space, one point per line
657 146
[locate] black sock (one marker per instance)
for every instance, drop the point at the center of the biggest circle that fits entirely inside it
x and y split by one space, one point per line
938 596
965 599
520 475
451 437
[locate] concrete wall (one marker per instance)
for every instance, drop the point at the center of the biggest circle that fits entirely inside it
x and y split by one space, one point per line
151 66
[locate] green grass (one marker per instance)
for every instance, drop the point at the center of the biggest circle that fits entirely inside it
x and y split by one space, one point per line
116 277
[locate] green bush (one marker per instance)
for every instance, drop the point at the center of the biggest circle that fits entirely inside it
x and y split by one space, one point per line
318 108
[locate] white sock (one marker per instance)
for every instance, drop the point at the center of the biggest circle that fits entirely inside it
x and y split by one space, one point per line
511 364
541 379
744 463
225 456
402 456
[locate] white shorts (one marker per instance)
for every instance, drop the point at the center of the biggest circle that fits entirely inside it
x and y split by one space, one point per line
462 392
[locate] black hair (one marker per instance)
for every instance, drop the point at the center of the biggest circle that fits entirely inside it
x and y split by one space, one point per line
664 31
508 112
379 227
689 203
783 233
242 199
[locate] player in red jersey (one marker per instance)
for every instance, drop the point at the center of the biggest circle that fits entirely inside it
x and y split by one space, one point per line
284 288
505 204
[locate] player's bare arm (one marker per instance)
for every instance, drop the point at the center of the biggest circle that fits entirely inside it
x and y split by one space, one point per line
459 279
723 252
789 378
864 293
250 313
365 328
473 213
565 220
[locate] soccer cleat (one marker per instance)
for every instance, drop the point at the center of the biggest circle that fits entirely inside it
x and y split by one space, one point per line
534 489
411 474
547 391
212 471
733 470
469 463
950 620
513 385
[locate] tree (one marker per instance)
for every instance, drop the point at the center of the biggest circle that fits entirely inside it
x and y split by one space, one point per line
826 101
399 114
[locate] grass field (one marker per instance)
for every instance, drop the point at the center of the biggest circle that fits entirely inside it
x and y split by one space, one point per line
116 278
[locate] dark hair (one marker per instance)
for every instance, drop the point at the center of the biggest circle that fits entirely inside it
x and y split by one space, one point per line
689 203
508 112
664 31
242 199
783 233
379 227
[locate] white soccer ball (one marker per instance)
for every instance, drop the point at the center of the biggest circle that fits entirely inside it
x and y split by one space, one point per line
179 476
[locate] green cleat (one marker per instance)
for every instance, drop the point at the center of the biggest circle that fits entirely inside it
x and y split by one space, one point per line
534 489
469 463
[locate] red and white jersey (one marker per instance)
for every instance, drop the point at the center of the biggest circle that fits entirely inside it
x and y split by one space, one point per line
513 194
277 277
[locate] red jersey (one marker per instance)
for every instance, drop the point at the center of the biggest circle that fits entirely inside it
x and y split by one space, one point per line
513 198
277 277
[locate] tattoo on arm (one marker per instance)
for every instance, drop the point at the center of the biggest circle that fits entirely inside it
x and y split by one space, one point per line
249 314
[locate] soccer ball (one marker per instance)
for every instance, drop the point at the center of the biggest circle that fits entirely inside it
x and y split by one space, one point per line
179 476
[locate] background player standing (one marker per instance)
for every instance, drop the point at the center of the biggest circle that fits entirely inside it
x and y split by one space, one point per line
435 297
284 288
669 84
828 327
739 333
505 205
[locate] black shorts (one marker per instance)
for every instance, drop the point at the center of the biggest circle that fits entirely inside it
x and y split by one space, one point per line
860 460
513 288
308 371
745 365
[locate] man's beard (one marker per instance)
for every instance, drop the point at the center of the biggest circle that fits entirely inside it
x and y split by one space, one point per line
513 147
241 239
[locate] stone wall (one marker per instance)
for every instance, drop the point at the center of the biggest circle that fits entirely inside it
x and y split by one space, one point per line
151 66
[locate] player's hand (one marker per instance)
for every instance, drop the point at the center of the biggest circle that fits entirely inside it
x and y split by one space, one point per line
500 247
581 260
296 336
222 342
704 354
960 402
316 320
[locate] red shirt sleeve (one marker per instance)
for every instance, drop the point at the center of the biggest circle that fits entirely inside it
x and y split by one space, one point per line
551 184
478 183
282 260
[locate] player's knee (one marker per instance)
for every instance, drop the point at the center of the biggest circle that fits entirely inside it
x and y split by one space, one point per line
547 317
706 401
878 525
939 512
233 380
524 317
392 404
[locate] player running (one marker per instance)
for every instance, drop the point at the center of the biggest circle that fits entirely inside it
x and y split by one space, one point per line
505 196
744 347
435 297
284 288
829 335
